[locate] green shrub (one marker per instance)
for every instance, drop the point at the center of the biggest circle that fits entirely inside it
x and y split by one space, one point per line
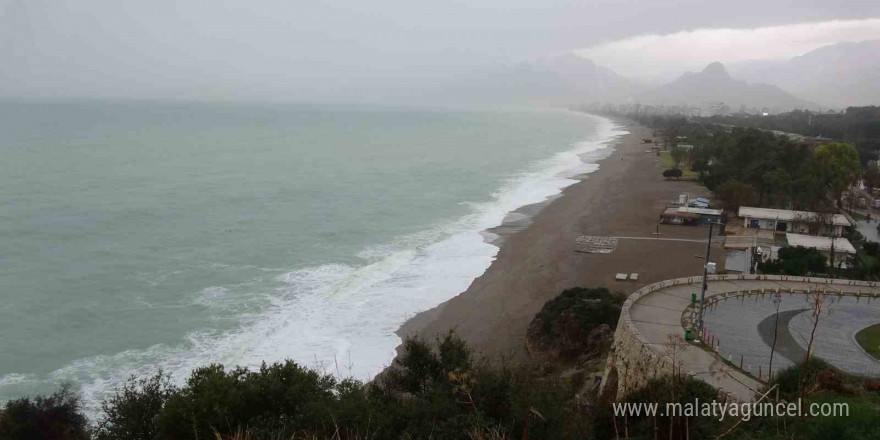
442 392
54 417
788 380
871 248
577 324
661 390
672 173
796 261
437 391
278 397
860 424
133 412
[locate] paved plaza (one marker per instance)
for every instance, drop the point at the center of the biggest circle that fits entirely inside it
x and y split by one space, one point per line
743 307
745 327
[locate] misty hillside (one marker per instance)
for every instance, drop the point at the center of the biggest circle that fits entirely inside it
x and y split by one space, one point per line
715 85
839 75
560 80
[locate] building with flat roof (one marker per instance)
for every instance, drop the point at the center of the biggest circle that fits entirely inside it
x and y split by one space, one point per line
798 222
685 215
842 249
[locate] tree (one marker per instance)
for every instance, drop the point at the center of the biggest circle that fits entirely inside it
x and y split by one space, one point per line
816 300
672 173
779 184
871 175
796 261
678 154
735 194
838 167
133 412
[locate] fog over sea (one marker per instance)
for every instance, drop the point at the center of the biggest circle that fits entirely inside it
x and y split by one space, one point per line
136 236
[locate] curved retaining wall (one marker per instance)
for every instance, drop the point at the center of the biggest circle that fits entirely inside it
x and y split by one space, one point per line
633 360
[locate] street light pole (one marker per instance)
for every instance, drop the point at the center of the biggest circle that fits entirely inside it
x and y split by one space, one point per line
705 274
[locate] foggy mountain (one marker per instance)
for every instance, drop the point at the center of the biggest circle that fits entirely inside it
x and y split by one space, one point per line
715 85
839 75
566 79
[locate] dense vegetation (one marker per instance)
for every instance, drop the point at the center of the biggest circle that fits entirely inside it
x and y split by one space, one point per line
577 325
436 391
745 165
823 384
55 417
797 261
859 126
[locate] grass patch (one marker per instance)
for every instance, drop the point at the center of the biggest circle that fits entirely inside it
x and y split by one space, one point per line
686 172
858 216
869 339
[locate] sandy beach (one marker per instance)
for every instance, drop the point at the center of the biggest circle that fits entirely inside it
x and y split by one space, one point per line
623 198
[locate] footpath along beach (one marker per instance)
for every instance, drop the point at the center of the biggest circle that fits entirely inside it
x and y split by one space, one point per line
623 198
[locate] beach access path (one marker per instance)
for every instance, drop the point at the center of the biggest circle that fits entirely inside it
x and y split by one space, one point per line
623 198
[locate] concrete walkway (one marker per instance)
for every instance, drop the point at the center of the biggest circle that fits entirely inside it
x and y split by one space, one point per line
658 315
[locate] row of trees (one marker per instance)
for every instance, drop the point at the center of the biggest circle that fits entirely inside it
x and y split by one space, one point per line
859 126
758 167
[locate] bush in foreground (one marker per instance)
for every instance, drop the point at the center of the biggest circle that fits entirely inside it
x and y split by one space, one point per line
438 391
823 384
661 390
55 417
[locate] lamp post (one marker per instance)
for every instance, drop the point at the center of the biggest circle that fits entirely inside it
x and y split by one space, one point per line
705 274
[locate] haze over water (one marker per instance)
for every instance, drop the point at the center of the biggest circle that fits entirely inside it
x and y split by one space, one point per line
139 236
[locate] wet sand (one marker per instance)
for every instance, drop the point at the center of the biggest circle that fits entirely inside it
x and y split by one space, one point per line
536 259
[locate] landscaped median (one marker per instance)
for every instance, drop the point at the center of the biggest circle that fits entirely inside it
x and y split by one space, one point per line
869 340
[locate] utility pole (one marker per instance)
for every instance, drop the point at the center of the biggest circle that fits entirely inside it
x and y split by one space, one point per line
705 274
777 300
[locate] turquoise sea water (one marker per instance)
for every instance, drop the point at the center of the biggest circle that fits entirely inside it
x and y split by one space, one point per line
137 236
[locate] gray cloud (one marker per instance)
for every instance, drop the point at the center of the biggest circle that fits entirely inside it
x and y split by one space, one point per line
665 56
327 49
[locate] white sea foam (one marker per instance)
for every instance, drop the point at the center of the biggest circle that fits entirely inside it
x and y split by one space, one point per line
343 318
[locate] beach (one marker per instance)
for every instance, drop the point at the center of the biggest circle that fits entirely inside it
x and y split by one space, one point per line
536 262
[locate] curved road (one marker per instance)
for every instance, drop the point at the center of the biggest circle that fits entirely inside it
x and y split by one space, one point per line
661 313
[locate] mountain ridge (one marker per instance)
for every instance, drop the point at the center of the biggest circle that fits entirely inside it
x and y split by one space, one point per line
836 75
714 84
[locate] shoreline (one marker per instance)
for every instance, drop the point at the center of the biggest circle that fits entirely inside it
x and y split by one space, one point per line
536 258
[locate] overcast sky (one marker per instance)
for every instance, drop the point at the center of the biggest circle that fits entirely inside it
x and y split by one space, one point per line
356 49
662 57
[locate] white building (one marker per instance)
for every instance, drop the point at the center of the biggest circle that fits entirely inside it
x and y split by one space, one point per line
798 222
842 249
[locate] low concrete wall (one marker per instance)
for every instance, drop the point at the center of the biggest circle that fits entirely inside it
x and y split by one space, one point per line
633 360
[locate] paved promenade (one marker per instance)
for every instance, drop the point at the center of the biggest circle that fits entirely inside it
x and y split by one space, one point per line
660 311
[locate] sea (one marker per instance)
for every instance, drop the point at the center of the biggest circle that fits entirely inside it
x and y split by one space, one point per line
142 236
